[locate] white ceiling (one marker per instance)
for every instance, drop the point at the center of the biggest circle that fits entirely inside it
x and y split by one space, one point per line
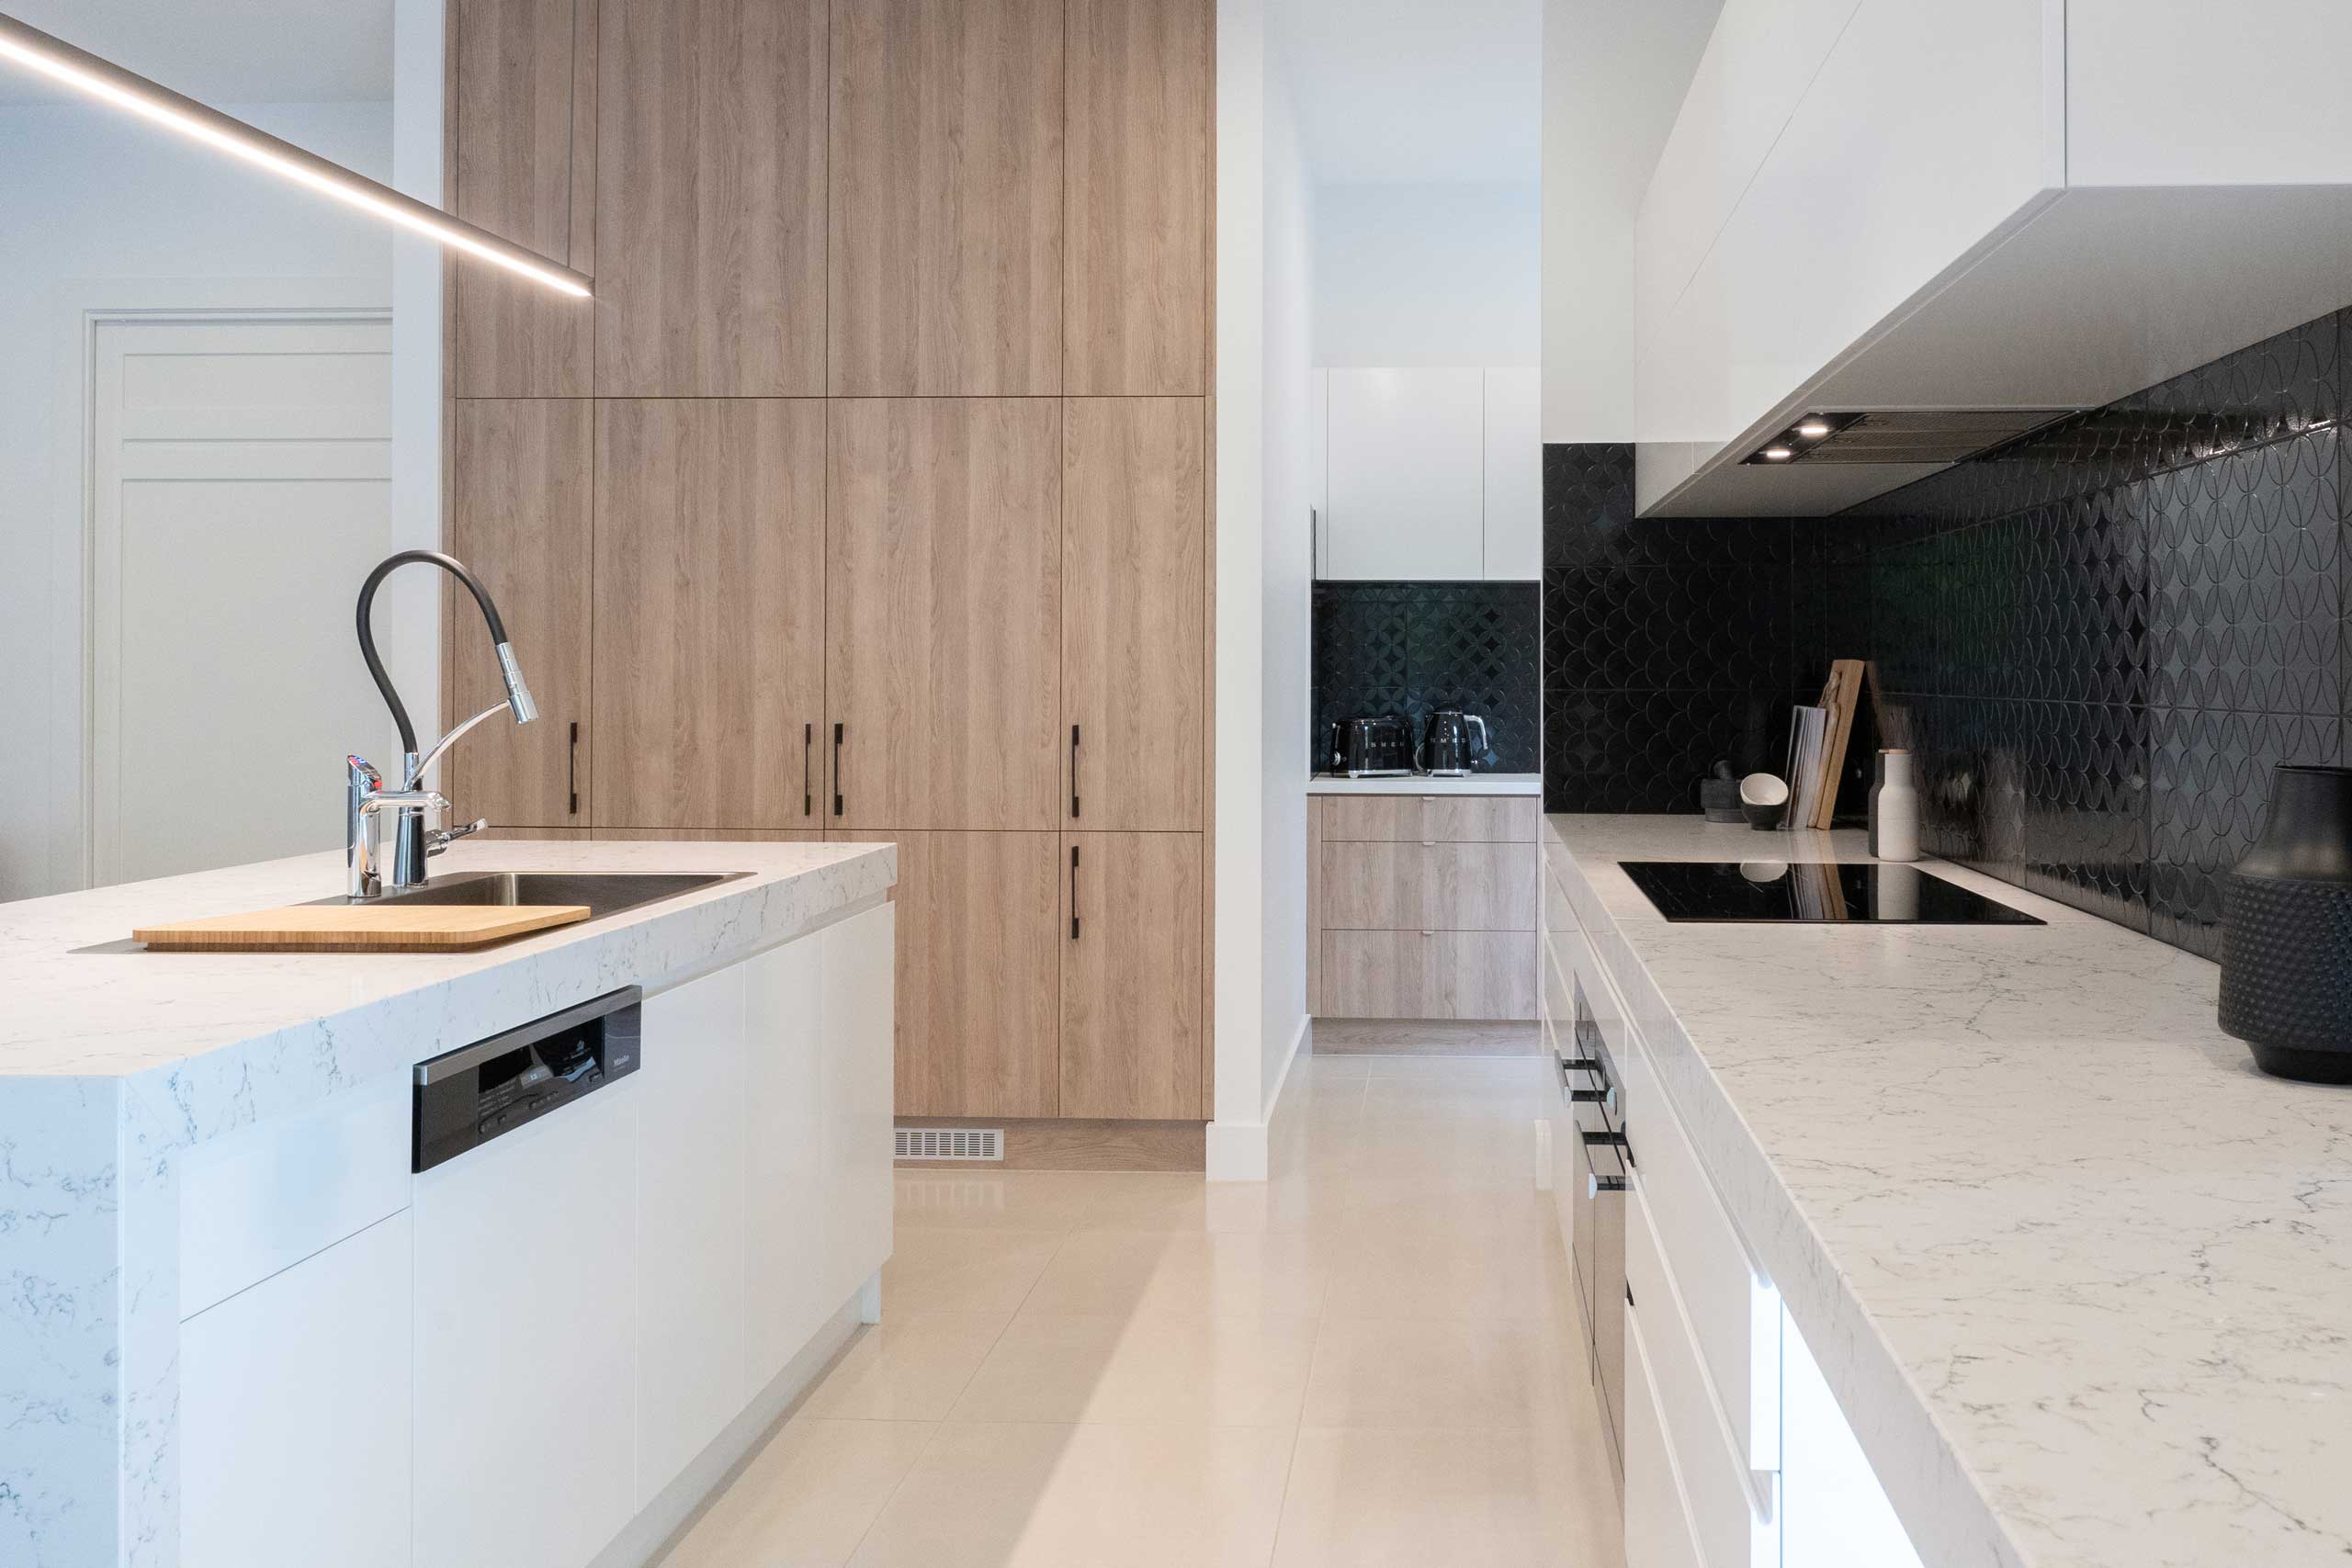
1396 91
223 51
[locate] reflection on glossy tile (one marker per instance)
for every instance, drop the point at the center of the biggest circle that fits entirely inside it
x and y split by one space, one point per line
1227 1271
1405 1498
909 1367
1408 1372
942 1270
1053 1497
1148 1367
806 1499
1113 1369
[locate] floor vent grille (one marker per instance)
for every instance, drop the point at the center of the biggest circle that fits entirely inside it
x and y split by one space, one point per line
951 1142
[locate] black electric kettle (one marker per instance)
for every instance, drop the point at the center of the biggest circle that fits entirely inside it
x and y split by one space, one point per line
1446 751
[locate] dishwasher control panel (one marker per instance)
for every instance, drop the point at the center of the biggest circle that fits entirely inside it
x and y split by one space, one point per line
467 1096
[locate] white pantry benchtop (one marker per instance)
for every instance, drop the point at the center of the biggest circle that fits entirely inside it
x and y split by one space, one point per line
2077 1273
1416 783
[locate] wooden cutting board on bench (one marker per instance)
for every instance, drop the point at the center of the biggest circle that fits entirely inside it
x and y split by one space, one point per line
359 927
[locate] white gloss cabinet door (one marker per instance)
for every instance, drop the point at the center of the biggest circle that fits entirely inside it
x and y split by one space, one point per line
1319 465
294 1414
689 1224
784 1152
858 1012
1659 1532
1514 474
1408 457
527 1342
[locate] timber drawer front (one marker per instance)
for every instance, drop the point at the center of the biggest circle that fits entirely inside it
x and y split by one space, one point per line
1443 819
1429 886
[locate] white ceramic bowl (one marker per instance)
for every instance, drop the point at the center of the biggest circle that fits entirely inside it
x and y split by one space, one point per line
1763 789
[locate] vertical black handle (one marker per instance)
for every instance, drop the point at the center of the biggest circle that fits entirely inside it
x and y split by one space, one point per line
808 800
1073 893
1073 772
837 769
571 771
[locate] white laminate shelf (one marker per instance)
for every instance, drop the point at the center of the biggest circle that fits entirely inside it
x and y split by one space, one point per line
1416 783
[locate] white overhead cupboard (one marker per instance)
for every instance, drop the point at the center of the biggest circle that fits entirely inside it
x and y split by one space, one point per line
1431 475
1901 205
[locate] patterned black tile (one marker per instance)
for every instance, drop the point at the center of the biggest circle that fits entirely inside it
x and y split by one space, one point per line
1646 751
1971 779
2211 785
1648 628
1411 648
2087 770
1588 520
2249 600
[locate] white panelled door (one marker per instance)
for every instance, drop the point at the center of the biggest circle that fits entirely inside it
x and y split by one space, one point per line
241 489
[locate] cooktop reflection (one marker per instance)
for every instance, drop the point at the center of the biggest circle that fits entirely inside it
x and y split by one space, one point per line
1813 893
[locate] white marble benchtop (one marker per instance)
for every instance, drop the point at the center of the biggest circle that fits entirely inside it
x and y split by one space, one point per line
114 1062
2080 1276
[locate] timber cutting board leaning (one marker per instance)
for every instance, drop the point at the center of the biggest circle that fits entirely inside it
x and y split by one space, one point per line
358 928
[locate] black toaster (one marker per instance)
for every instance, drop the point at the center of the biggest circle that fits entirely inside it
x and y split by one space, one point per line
1372 747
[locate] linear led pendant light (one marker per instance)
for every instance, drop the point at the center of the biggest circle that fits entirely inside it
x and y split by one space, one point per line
103 79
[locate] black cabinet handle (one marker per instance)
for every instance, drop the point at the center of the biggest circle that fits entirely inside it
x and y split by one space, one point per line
571 771
837 769
1073 893
1073 771
808 800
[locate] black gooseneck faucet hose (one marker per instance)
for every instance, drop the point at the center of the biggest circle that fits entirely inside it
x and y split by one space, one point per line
455 568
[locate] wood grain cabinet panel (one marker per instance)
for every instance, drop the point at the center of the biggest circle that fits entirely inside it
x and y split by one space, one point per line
946 218
1133 1040
980 961
1135 564
943 607
521 129
710 612
710 198
1447 818
519 516
1429 886
1444 975
1141 84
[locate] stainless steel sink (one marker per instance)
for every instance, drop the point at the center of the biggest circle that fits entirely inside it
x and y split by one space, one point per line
605 892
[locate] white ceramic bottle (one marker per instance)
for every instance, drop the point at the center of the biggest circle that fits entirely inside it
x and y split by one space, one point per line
1894 809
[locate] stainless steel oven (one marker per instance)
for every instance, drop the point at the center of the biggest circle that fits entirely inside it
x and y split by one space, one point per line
1601 1167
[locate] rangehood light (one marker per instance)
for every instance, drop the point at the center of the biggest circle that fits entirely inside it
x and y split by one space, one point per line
104 80
1778 454
1814 429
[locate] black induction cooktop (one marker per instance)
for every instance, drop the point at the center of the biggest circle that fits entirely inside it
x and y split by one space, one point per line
1813 893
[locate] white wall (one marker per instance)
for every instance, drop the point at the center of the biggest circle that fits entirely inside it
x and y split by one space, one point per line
1615 76
1427 273
1236 1137
1291 249
103 213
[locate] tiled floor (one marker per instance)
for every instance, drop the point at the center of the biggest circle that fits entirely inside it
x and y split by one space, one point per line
1371 1359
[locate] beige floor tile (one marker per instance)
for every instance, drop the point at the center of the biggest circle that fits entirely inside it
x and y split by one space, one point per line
1427 1372
910 1367
939 1198
1409 1498
1050 1496
1479 1270
964 1271
1151 1367
1250 1274
806 1499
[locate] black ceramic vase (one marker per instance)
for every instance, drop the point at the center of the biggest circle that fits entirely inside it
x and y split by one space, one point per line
2287 931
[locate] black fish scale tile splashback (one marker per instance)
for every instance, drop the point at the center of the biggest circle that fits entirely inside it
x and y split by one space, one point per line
1414 647
2100 638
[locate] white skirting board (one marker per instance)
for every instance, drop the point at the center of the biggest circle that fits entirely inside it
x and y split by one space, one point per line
1236 1150
649 1535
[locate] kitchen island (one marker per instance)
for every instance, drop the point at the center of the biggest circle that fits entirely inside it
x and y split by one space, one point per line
2073 1268
208 1207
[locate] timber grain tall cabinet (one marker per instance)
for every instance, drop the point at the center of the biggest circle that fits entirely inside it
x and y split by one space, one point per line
870 497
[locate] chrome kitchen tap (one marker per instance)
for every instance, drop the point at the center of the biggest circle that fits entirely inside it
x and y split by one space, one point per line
367 797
